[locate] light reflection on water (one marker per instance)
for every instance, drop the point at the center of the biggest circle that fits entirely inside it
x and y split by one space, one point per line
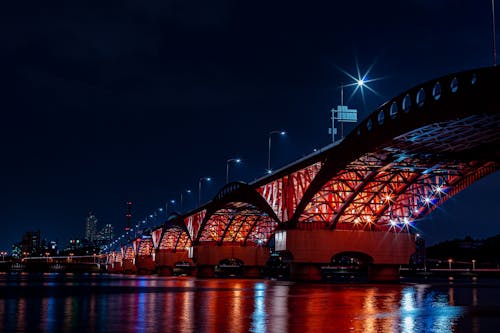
152 304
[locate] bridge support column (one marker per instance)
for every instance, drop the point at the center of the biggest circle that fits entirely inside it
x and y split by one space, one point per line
205 271
129 267
165 270
305 272
253 257
252 272
166 261
145 265
311 249
383 273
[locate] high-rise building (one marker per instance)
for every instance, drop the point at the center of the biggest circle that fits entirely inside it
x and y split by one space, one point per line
105 235
91 227
30 243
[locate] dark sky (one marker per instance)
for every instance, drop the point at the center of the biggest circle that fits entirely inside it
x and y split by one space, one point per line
108 101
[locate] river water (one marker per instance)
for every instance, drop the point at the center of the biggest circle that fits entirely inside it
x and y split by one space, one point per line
107 303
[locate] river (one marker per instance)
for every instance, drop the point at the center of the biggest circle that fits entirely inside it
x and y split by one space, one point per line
114 303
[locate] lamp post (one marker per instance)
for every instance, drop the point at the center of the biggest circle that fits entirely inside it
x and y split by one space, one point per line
269 148
3 253
449 263
172 202
473 264
188 191
494 33
207 179
231 160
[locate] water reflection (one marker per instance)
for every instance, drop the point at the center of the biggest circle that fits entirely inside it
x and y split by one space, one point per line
259 312
189 305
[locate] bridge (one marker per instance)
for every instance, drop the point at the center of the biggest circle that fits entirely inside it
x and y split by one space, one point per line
357 198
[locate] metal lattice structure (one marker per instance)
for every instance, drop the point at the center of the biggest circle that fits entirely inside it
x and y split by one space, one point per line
408 157
239 215
174 235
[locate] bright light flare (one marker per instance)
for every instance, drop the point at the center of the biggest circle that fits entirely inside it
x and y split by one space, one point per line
439 189
361 82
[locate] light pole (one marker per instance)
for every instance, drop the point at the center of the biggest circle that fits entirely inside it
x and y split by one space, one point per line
494 33
269 148
449 263
473 264
207 179
231 160
188 191
3 253
172 202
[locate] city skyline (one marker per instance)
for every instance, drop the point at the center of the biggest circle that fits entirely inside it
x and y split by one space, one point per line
146 99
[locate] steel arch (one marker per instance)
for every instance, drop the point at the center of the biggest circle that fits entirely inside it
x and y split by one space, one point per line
174 234
449 139
238 214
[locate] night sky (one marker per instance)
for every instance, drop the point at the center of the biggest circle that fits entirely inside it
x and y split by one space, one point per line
105 102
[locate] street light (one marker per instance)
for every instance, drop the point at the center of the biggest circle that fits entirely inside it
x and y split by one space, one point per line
188 191
473 264
207 179
172 202
449 263
269 148
231 160
3 253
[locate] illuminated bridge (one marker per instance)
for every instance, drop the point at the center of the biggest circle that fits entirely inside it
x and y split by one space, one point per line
359 196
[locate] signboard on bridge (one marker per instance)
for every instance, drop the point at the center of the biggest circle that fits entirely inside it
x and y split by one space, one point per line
346 115
343 115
